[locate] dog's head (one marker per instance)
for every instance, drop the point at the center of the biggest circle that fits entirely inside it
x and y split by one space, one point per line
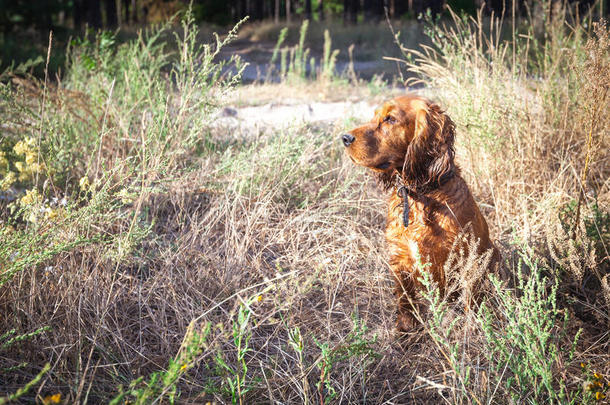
408 135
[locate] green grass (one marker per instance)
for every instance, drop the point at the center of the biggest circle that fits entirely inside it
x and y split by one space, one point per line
158 257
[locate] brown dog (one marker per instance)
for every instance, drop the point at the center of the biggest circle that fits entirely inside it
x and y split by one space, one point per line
409 144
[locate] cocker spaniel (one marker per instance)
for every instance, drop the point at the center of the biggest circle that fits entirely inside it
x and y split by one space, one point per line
409 145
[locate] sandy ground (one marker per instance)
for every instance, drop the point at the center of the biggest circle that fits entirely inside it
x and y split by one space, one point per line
269 107
289 113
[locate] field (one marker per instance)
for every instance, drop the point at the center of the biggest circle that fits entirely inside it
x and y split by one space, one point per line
170 233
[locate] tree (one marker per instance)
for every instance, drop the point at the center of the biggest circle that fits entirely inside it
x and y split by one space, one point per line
111 14
277 11
373 10
288 11
350 11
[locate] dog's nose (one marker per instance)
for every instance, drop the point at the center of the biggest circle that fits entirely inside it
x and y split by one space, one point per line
347 139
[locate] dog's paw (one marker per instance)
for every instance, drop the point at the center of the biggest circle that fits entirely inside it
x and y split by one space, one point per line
405 322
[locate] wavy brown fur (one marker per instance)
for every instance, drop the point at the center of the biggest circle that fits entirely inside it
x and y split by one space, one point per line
413 138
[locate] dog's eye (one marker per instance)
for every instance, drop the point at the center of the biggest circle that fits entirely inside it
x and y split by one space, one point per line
389 119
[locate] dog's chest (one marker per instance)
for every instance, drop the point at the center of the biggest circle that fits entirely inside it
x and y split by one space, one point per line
429 234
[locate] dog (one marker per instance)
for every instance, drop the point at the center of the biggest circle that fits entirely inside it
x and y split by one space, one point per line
409 145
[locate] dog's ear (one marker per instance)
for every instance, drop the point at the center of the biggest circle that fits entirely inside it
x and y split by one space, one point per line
430 155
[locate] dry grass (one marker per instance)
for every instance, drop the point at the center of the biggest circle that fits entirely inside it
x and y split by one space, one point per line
270 243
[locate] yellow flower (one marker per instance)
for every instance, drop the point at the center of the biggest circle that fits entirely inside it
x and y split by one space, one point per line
24 146
597 376
183 367
582 365
7 229
30 197
25 176
3 161
52 399
20 148
20 166
36 167
31 157
126 196
600 395
259 298
7 181
32 218
83 183
52 214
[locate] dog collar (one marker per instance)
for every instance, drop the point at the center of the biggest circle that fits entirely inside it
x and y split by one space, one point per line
403 192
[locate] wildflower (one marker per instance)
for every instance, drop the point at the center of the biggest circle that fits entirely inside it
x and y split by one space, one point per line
183 367
33 218
6 229
3 161
35 167
125 196
7 181
599 395
52 399
31 197
83 183
597 376
31 157
582 365
259 298
51 214
20 148
25 176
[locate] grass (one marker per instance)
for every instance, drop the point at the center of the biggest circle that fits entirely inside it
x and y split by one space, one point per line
149 255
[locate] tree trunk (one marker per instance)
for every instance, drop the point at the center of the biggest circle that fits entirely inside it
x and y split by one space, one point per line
497 7
347 11
373 10
126 19
380 6
288 11
368 10
77 14
259 9
111 14
94 13
402 7
277 11
134 11
308 9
